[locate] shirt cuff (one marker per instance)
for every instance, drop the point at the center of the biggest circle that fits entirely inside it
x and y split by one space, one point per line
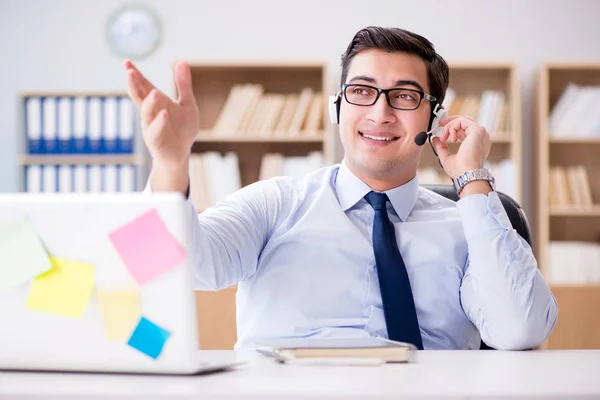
480 214
148 190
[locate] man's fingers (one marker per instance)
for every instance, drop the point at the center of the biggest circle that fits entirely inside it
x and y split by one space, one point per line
146 85
445 133
441 148
151 106
133 89
138 86
457 129
447 119
183 82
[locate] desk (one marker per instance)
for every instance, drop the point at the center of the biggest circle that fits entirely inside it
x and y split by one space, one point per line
458 374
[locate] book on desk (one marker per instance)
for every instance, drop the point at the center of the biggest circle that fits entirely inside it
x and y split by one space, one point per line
388 351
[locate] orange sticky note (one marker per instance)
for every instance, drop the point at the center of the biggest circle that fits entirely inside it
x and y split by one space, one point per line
121 312
64 290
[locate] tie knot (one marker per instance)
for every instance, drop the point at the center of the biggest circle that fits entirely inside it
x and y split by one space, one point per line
377 200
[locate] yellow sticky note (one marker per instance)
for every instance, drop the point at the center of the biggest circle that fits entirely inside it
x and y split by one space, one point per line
64 290
121 312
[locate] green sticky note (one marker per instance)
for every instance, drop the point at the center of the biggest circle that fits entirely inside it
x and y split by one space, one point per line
64 290
22 254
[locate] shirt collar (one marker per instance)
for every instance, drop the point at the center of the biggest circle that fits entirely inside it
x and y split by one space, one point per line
350 190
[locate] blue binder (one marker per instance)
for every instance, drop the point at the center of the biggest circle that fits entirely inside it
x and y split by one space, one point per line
95 124
110 132
33 124
65 125
49 125
127 120
79 141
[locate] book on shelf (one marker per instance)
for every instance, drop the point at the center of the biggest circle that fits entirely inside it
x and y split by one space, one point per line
503 171
431 176
276 164
573 262
569 186
214 176
489 109
249 110
575 114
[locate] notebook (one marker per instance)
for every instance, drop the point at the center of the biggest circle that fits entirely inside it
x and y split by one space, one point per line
367 348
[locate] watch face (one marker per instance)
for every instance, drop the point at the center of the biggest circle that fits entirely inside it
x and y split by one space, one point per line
133 32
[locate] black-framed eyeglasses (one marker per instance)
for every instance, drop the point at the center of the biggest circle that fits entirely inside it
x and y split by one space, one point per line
397 98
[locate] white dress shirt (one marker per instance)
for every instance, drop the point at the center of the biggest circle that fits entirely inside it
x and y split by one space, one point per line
300 251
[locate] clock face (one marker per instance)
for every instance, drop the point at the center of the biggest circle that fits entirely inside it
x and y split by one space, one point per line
133 32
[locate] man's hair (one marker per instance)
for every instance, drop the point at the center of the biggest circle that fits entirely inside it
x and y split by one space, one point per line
400 40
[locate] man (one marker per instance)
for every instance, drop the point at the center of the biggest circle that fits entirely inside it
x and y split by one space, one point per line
359 249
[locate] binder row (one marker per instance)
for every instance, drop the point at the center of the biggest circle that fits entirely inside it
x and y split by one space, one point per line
79 124
110 178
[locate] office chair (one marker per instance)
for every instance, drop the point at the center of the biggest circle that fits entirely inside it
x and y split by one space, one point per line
513 210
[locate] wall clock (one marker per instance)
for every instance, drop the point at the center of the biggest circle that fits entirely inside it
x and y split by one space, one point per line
133 32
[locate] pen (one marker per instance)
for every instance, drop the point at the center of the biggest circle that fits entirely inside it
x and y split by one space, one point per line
336 361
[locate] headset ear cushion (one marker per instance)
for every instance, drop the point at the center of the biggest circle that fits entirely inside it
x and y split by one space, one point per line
334 109
442 113
437 115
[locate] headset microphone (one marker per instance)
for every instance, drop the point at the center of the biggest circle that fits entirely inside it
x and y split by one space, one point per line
421 138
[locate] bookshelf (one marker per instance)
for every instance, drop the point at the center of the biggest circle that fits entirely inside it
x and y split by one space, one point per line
490 94
248 112
568 238
79 142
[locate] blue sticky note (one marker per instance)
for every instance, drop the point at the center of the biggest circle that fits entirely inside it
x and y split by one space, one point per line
149 338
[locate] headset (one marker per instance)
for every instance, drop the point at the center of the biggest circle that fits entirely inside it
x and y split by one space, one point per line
437 115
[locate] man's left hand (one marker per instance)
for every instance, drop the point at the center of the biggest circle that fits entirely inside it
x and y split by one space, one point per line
473 151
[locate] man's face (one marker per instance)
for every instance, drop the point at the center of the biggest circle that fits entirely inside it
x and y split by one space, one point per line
361 126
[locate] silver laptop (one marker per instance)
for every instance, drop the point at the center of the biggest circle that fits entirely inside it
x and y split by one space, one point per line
99 282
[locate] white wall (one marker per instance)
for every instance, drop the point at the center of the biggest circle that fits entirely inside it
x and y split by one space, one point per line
60 44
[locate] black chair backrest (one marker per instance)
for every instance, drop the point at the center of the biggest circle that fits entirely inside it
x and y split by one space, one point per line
513 210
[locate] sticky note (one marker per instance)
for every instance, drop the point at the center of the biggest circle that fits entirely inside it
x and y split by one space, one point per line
146 247
64 290
149 338
120 313
22 254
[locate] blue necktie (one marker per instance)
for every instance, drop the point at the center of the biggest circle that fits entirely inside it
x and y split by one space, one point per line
398 303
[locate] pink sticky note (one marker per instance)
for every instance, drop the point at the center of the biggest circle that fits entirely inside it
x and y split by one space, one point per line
147 247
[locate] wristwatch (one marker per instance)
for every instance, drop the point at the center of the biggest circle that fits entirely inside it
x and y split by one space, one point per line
474 175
